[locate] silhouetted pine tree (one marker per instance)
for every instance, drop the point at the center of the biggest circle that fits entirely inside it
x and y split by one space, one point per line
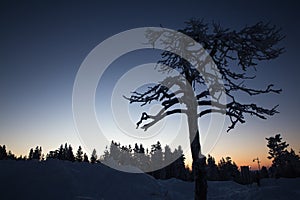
179 167
264 172
106 155
144 159
156 159
135 156
79 155
30 156
3 153
139 158
85 158
125 156
11 156
281 158
60 155
94 156
212 169
70 154
277 149
114 151
291 164
168 170
65 152
37 154
228 169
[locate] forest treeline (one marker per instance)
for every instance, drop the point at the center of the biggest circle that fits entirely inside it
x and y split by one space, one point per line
171 164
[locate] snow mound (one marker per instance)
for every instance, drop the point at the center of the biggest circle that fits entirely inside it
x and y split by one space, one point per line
271 189
54 179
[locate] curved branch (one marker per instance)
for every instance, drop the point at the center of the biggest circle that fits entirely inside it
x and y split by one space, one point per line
224 112
235 87
156 118
214 103
236 111
203 94
159 92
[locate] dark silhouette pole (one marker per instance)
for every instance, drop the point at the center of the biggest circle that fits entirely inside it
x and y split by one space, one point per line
258 162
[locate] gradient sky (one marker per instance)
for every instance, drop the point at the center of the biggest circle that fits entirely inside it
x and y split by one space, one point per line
44 44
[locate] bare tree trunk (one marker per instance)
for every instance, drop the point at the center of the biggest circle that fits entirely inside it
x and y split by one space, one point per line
199 161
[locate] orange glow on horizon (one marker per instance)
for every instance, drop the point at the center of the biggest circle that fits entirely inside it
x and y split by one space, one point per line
238 161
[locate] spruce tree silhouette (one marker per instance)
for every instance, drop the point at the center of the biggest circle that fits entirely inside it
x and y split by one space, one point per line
284 163
94 156
79 155
3 153
85 158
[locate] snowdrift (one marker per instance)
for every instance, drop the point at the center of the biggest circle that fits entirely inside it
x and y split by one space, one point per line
54 179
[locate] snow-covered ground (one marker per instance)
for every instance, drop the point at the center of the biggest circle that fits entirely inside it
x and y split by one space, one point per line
55 179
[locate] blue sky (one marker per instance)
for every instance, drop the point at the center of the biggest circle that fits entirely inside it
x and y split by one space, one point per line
44 44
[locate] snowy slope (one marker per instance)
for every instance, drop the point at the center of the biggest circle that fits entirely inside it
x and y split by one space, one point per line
65 180
55 179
